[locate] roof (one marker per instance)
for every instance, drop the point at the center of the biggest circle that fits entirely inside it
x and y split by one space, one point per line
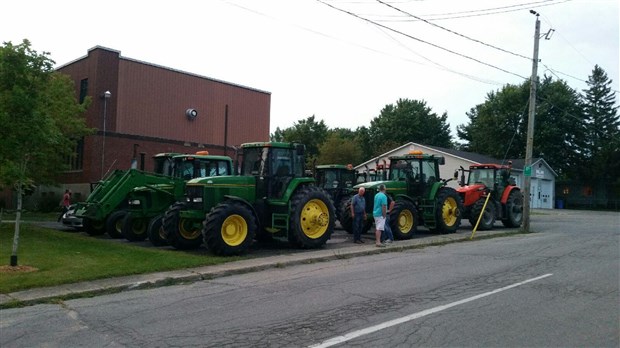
160 67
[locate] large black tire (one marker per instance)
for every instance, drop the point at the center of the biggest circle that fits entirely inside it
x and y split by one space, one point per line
403 220
312 218
156 231
114 224
514 209
448 210
488 216
346 220
92 227
135 229
182 234
229 229
341 208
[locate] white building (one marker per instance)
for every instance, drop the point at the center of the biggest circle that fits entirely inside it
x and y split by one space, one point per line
542 190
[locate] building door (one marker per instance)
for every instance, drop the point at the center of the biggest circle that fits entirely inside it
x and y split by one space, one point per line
546 194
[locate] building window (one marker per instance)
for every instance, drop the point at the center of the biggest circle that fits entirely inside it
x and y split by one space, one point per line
83 90
75 160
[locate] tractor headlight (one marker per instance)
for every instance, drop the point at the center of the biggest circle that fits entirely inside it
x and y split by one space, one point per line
197 199
134 202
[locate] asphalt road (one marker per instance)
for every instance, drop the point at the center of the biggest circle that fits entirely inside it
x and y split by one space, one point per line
557 287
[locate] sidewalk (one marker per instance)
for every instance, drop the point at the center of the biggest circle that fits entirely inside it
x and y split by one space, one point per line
339 247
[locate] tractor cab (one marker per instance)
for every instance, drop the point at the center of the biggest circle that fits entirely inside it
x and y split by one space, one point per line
273 165
419 171
337 180
201 165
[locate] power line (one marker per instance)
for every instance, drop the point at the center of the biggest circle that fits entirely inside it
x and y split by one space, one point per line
423 41
453 32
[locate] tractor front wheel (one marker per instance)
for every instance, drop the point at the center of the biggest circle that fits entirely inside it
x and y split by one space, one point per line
448 209
229 229
156 232
312 218
488 215
114 224
182 233
403 220
514 209
134 229
92 227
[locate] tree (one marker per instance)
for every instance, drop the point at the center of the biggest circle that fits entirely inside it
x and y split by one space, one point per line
409 120
308 132
603 127
339 150
41 122
498 127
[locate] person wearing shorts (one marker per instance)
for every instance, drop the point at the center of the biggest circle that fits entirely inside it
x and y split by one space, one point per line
379 212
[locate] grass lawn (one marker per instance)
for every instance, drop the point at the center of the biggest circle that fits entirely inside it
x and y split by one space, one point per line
64 257
30 216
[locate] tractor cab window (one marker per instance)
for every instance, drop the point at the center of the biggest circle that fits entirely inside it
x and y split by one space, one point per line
254 160
281 162
164 165
185 169
482 176
402 170
348 178
428 172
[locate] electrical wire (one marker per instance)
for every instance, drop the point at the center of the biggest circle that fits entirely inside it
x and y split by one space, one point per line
452 31
422 41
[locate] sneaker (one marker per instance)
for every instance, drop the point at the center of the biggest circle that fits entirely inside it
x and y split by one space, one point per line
357 242
361 240
380 245
388 241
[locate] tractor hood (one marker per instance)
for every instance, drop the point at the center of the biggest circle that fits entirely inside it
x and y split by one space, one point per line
471 188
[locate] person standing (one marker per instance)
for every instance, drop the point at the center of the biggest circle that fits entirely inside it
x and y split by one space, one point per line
358 213
387 236
65 203
379 212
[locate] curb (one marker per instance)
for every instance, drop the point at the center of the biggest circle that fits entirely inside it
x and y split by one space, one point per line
190 275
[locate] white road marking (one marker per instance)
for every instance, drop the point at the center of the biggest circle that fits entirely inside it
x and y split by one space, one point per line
355 334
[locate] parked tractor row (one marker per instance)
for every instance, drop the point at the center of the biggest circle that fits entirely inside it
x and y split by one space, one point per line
190 200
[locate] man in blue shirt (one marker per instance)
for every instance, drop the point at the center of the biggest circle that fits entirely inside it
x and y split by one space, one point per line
358 213
379 212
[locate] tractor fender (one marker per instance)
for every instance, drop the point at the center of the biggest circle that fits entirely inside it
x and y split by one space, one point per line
405 198
507 193
435 189
294 185
244 202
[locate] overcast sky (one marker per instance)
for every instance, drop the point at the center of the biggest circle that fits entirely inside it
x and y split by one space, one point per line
342 67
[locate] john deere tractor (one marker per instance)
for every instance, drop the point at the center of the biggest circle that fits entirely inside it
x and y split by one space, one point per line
421 197
271 197
147 203
338 180
505 202
107 206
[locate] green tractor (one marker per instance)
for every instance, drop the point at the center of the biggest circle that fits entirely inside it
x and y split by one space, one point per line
338 180
106 207
421 197
272 197
146 204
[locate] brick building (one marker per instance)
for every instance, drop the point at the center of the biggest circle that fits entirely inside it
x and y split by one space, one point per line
140 109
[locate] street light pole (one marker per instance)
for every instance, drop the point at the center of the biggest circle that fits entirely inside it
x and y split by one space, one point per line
106 96
527 169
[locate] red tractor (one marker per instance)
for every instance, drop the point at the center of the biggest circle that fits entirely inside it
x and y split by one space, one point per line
505 203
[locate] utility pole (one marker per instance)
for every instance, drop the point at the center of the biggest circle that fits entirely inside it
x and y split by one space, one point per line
527 169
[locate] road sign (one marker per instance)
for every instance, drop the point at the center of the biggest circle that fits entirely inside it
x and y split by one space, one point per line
527 171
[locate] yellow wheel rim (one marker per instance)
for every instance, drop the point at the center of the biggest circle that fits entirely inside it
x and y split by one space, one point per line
234 230
187 229
314 218
449 211
405 221
118 225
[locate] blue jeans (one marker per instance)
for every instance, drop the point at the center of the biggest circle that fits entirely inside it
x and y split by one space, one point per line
358 221
387 230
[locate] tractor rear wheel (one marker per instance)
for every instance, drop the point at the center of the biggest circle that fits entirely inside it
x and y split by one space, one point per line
514 209
114 224
488 216
134 229
448 207
182 233
346 221
229 229
312 218
92 227
403 220
156 232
